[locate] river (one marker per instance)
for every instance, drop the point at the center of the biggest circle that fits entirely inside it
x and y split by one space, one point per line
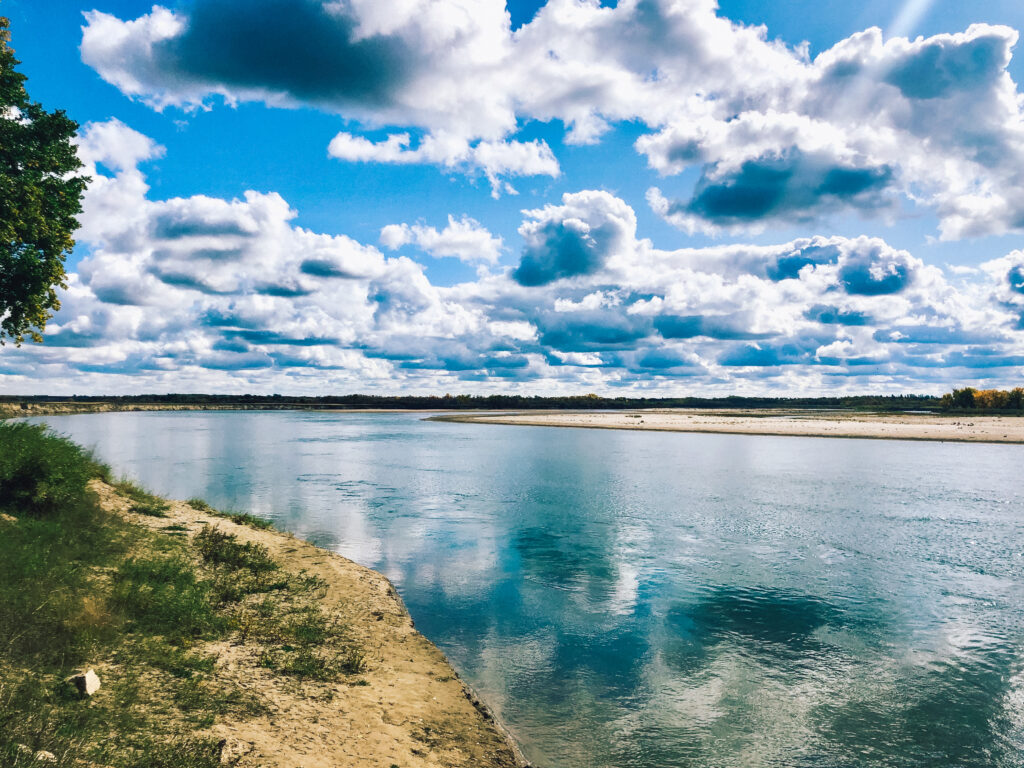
657 600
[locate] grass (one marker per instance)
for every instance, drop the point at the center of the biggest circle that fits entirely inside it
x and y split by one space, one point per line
81 587
242 518
143 502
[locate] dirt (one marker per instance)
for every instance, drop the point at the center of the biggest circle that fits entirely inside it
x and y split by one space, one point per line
407 709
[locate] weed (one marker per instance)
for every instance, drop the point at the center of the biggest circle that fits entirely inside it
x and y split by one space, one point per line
162 595
220 548
180 753
244 518
143 502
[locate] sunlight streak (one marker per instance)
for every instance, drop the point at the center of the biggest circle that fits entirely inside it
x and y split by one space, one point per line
908 18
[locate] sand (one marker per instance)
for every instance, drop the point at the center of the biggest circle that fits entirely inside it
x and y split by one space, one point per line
884 426
412 711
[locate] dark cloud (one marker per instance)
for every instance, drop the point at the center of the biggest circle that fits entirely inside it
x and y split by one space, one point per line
663 360
236 362
589 331
794 185
984 357
201 254
829 315
759 355
942 67
184 280
876 272
285 290
930 334
273 337
299 48
118 293
788 266
727 327
173 225
1015 278
564 249
325 268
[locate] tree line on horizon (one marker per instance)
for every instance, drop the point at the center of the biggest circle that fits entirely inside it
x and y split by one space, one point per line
500 402
971 399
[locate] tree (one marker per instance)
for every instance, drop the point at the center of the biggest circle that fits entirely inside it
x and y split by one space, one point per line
40 196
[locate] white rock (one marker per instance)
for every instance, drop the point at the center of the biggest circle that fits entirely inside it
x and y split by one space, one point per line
87 683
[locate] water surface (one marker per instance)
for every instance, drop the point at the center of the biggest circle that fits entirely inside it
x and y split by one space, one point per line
657 600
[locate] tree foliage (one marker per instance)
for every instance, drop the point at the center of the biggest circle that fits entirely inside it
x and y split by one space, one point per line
40 197
969 398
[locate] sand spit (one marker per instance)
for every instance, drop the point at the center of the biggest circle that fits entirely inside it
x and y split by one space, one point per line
408 708
787 422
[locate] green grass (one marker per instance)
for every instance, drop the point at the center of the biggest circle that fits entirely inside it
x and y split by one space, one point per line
81 587
143 502
242 518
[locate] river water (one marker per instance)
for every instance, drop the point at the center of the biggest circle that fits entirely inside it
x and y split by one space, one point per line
657 600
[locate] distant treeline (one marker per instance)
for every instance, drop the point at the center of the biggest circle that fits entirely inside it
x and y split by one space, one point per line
971 399
502 402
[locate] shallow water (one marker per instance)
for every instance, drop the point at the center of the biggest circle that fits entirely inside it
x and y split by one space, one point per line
627 599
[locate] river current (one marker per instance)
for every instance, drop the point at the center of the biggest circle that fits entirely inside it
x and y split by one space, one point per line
657 600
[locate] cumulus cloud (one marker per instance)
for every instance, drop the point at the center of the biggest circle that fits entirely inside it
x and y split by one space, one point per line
496 159
464 239
207 293
866 126
574 239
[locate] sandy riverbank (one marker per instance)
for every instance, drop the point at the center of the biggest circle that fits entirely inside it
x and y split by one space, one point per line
884 426
409 710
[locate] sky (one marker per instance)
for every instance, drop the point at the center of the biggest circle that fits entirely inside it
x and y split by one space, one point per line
642 197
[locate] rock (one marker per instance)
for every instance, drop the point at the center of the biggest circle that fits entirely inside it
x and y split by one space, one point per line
87 683
232 750
42 755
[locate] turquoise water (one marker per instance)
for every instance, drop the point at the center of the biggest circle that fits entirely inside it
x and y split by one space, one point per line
647 600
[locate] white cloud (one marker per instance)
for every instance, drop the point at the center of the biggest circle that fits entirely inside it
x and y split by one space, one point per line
206 293
463 239
494 159
934 122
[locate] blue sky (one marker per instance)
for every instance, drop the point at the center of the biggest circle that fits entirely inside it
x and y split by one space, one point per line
650 196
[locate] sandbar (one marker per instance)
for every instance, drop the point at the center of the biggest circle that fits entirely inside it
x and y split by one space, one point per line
779 422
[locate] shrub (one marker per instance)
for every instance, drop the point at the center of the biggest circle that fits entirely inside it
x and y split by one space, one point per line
220 548
39 471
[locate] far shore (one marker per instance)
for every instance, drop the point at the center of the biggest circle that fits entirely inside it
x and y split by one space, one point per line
778 422
785 422
68 408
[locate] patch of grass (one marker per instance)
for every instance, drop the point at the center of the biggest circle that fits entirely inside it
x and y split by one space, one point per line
201 506
313 664
242 518
180 753
143 502
161 595
220 548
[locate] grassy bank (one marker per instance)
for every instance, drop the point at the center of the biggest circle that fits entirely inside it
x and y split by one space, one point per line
145 606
